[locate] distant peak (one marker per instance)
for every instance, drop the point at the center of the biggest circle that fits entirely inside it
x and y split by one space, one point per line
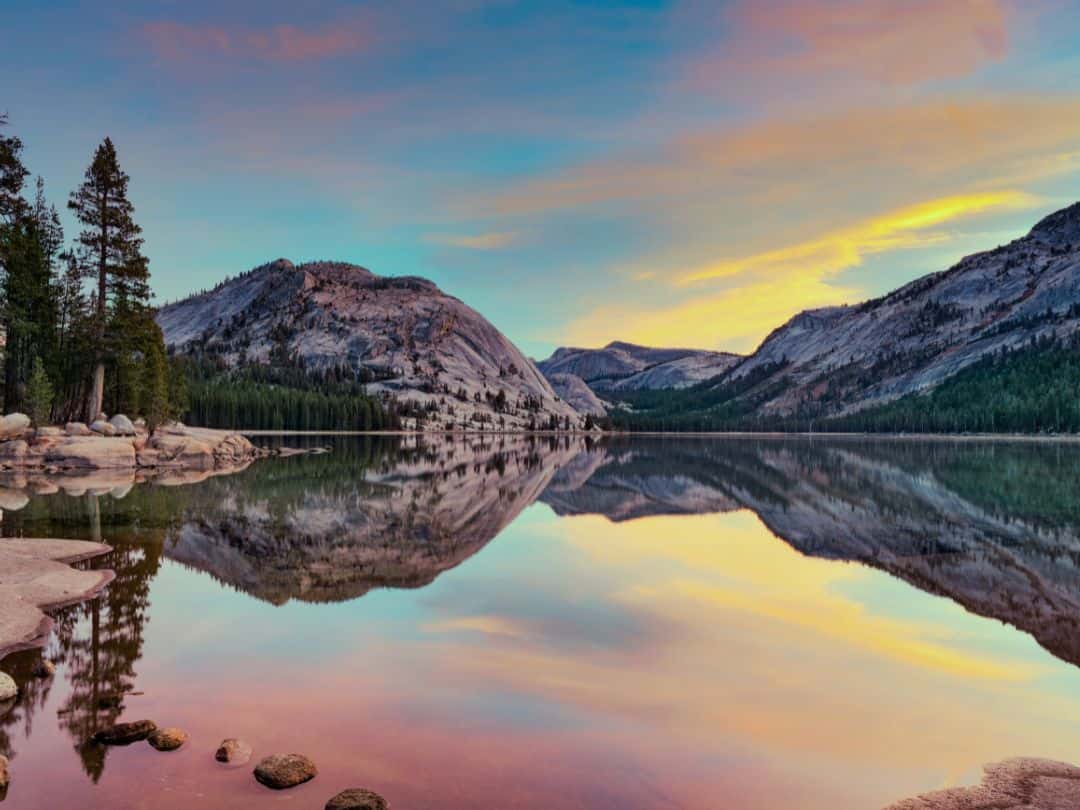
1061 227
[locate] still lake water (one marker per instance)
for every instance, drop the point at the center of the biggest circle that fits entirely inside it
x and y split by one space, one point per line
630 623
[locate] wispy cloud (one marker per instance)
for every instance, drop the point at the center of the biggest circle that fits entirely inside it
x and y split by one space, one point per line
181 42
881 41
496 240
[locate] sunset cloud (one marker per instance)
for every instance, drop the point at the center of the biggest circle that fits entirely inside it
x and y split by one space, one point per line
882 41
178 42
760 291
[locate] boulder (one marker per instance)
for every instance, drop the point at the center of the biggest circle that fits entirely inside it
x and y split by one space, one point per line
233 752
357 799
91 452
76 429
9 690
13 451
122 425
103 428
281 771
13 425
180 451
167 739
44 669
125 733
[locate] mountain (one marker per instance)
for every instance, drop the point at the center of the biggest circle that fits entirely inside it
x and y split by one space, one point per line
840 360
627 367
576 392
404 335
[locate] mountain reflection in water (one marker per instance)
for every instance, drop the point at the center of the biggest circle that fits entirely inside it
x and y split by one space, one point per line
993 526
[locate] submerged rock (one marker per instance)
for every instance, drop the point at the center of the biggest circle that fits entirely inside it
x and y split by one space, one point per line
281 771
233 752
357 799
125 733
167 739
9 690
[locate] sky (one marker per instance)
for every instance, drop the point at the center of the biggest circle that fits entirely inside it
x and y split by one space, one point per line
686 173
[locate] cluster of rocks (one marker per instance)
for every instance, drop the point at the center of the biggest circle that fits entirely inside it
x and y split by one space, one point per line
277 771
119 444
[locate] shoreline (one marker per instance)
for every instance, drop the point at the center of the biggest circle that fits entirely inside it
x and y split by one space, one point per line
733 434
36 575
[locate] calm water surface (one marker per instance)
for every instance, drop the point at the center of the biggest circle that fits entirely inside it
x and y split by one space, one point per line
637 623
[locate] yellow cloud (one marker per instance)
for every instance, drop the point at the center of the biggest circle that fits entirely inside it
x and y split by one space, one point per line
763 290
832 253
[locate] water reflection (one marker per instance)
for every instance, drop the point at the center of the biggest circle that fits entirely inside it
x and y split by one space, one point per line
995 527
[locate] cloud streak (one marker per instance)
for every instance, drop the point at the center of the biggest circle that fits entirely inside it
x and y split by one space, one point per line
180 42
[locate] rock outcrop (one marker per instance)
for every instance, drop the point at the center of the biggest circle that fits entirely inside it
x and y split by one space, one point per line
35 575
408 338
106 447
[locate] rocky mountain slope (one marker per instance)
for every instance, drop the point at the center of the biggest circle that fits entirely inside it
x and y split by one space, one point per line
410 339
839 360
627 367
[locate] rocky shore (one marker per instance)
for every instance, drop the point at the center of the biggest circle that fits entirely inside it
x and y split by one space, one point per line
36 575
119 444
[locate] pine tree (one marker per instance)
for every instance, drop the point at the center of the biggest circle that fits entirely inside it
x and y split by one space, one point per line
113 248
12 175
39 394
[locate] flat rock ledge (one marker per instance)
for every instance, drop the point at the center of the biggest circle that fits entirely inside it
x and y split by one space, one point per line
76 448
1015 784
36 575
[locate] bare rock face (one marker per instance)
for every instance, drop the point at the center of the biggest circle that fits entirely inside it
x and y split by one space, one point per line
357 799
282 771
412 340
167 739
233 752
577 393
623 366
125 733
1016 784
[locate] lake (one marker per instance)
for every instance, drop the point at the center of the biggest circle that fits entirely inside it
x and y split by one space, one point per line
622 623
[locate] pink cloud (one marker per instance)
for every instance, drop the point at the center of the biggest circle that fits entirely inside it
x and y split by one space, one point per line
890 42
179 42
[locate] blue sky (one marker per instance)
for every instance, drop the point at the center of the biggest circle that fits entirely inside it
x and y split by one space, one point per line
680 172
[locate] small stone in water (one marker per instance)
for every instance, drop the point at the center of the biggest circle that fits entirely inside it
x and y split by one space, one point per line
167 739
125 733
357 799
281 771
233 752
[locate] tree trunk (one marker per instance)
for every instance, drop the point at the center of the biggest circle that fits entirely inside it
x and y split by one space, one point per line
97 393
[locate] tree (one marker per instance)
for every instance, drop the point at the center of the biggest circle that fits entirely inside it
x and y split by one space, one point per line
112 248
155 385
12 175
39 394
